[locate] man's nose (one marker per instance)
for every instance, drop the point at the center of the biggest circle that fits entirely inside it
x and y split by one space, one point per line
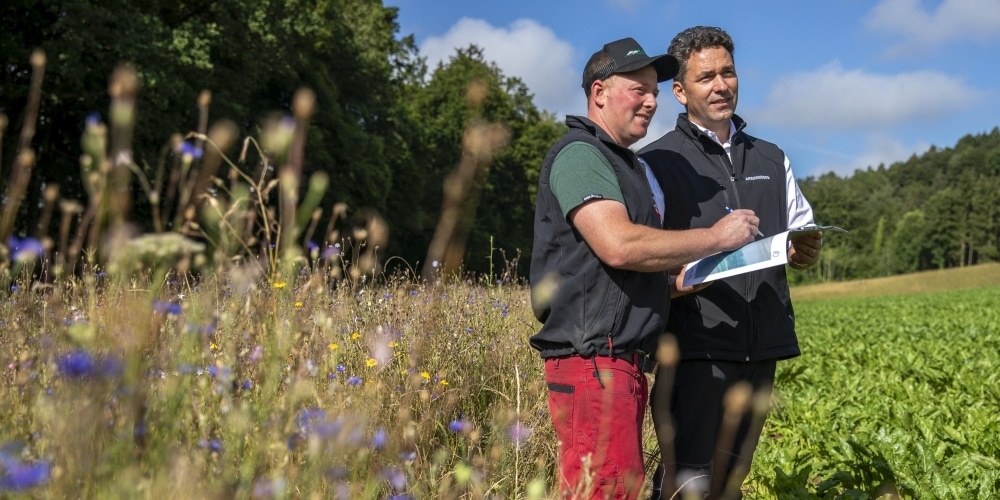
719 84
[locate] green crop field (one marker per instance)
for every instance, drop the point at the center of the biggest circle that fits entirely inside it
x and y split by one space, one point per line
893 395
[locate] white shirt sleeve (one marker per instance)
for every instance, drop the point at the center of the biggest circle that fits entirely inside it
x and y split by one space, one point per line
654 185
800 212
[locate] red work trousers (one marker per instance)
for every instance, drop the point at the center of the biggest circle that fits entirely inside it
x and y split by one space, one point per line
597 407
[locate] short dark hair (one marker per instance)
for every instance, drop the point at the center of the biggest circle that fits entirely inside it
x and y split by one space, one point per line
600 60
695 39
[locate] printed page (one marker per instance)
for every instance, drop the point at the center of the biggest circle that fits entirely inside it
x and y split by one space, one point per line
760 254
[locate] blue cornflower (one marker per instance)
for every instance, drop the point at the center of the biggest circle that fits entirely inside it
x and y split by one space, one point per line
459 426
186 148
354 380
214 446
171 308
80 364
309 416
24 249
19 476
379 439
341 368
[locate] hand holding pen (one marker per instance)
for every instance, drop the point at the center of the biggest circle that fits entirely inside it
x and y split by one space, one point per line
759 234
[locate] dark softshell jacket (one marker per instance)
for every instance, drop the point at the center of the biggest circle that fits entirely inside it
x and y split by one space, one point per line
748 317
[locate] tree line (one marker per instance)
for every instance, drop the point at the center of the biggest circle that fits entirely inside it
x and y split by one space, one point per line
934 211
389 131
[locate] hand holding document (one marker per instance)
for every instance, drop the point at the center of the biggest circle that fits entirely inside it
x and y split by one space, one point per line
760 254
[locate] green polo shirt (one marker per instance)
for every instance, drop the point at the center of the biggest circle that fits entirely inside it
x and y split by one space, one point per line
580 173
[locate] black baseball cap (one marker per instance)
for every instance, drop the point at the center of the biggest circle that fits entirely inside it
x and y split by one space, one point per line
627 55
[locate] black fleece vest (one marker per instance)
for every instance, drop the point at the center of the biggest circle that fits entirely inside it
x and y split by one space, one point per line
748 317
586 307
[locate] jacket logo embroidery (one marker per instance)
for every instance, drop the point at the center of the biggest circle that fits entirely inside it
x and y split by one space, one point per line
758 178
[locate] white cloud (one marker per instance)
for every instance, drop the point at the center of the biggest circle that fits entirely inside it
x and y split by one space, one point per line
880 150
525 49
834 98
921 29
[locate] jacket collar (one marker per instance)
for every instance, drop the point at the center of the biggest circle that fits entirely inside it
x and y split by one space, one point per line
588 125
691 130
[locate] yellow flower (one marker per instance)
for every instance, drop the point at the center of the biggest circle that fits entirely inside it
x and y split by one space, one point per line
371 362
425 375
333 346
279 284
393 344
213 346
298 304
443 382
355 336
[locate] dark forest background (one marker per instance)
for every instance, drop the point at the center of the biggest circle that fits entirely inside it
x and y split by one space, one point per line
388 130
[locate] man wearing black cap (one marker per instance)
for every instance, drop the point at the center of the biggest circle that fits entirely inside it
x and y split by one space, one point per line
599 272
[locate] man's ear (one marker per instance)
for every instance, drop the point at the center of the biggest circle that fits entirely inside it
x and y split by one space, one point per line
678 89
599 91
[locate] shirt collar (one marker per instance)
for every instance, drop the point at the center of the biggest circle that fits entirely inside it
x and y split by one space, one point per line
715 137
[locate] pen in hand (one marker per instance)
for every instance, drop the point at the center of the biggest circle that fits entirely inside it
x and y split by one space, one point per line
729 211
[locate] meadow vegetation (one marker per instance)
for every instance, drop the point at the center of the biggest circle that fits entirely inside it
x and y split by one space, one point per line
240 351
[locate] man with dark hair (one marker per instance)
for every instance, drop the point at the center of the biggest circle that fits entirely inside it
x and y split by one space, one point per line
733 332
598 272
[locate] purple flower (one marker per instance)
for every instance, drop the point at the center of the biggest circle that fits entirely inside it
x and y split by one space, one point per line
19 476
395 477
519 433
459 426
379 439
214 446
186 148
353 380
25 249
341 368
256 355
80 364
171 308
309 417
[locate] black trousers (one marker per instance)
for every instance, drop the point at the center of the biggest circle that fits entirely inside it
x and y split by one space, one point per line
707 426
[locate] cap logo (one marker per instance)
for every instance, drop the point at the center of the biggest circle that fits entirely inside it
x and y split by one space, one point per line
634 52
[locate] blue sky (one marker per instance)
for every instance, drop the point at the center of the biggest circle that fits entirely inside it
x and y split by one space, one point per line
839 85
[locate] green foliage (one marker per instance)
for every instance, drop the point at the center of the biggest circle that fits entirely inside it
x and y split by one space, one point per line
935 211
385 131
894 395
